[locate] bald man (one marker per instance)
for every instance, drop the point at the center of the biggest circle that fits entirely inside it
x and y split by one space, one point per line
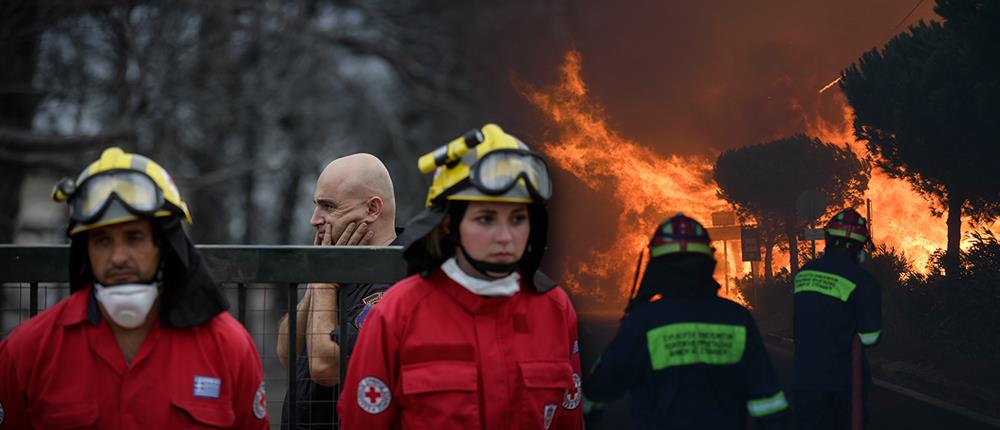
354 205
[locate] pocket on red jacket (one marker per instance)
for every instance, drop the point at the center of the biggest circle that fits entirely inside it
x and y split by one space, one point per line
204 414
440 395
65 415
544 388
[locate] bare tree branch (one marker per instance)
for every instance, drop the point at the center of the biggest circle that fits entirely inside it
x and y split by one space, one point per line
14 140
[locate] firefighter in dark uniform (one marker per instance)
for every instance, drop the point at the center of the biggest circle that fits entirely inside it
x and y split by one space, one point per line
836 302
315 407
354 205
688 358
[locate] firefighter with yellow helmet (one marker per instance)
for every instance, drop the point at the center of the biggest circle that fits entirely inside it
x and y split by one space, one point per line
144 339
476 337
687 358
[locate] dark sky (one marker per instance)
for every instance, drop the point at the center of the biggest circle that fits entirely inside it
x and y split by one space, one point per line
687 77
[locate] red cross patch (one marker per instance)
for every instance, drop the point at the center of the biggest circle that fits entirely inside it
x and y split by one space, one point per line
373 395
260 402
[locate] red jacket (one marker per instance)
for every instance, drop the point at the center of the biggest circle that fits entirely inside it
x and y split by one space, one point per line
433 355
63 369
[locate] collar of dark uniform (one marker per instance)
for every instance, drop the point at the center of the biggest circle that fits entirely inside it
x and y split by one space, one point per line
93 313
354 294
679 279
840 254
81 306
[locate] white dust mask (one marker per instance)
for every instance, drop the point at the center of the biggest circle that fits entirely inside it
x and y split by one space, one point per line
128 304
503 287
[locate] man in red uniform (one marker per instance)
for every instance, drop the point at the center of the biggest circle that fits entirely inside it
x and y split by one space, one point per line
478 339
143 340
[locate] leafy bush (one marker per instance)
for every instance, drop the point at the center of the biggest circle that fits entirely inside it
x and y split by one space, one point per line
964 313
769 296
936 312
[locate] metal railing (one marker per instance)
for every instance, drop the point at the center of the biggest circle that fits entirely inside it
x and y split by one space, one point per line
242 265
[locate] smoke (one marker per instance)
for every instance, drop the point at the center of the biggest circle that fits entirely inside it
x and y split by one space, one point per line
689 77
679 78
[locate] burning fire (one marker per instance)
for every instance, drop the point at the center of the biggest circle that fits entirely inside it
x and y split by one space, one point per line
901 217
651 187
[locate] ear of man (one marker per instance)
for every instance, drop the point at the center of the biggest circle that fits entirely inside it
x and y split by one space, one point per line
375 207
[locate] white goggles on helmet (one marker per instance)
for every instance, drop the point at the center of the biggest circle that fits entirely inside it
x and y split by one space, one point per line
501 170
135 190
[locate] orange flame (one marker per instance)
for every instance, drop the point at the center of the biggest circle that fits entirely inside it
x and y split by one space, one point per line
901 217
649 186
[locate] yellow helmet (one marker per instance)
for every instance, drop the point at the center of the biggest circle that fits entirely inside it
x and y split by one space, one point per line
483 165
119 187
487 165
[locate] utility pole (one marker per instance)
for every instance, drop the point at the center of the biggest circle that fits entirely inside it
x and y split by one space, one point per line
871 231
725 258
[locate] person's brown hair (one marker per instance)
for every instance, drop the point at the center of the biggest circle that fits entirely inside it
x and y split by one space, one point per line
438 246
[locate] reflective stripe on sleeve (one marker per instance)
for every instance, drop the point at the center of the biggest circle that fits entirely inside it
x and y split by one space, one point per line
590 406
767 405
869 339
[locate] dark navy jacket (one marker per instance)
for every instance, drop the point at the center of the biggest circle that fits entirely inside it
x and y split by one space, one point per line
689 363
835 300
314 402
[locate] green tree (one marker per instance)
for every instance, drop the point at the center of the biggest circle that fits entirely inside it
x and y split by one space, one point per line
926 105
764 181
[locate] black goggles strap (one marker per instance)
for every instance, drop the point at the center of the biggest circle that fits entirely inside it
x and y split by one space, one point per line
486 267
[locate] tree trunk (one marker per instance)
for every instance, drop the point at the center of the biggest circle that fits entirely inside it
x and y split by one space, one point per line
952 254
17 102
290 196
768 255
793 250
251 144
214 77
252 123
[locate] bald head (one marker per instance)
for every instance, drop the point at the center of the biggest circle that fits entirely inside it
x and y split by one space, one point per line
356 188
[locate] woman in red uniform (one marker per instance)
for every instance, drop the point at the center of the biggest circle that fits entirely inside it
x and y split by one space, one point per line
478 337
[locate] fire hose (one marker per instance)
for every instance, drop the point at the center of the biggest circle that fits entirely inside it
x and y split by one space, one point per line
857 399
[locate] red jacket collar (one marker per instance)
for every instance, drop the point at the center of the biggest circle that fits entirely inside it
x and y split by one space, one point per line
81 306
473 303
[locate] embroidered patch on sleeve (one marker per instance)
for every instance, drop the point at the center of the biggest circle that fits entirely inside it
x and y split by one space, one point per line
372 298
373 395
207 387
369 301
572 400
260 402
360 319
550 412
